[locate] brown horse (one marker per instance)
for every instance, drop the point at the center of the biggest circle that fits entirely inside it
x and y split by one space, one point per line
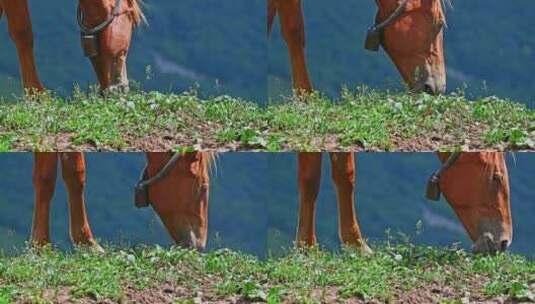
411 32
476 185
111 23
180 195
106 31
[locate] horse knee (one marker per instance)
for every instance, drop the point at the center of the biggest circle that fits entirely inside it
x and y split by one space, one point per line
73 173
342 174
44 179
309 172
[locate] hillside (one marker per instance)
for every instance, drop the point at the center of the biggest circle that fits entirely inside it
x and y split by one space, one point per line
363 120
401 273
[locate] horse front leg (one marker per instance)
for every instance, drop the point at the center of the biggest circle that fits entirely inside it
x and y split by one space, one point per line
309 177
293 31
44 181
73 171
343 175
20 31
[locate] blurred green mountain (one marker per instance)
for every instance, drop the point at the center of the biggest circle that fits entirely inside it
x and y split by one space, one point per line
253 201
219 47
490 48
237 202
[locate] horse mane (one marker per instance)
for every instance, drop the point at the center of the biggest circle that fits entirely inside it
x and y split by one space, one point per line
445 5
208 163
137 13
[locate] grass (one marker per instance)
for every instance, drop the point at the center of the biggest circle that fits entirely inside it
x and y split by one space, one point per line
398 272
360 120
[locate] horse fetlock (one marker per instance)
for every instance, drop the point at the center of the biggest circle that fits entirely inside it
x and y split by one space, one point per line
84 238
306 241
355 240
90 244
39 240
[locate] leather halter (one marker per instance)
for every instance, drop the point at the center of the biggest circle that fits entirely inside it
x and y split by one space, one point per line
88 35
141 191
433 184
374 37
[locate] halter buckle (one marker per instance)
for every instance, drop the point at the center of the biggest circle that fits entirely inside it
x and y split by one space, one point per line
373 39
89 44
141 192
433 188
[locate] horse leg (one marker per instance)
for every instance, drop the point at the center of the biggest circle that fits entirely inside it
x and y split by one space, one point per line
20 31
293 31
343 175
309 176
44 181
73 171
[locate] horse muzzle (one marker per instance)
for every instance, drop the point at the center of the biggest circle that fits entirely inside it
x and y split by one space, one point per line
188 239
493 237
489 244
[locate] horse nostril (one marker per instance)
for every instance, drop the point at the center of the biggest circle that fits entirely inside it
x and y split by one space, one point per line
504 245
429 89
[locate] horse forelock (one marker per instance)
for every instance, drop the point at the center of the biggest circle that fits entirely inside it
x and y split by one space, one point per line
489 166
444 5
208 164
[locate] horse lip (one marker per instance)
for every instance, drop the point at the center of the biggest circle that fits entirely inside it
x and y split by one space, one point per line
485 244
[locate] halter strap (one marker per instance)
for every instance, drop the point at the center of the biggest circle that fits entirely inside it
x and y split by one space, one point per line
144 183
445 166
395 15
100 27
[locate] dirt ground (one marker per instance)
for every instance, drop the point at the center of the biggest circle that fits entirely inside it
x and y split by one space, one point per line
174 293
